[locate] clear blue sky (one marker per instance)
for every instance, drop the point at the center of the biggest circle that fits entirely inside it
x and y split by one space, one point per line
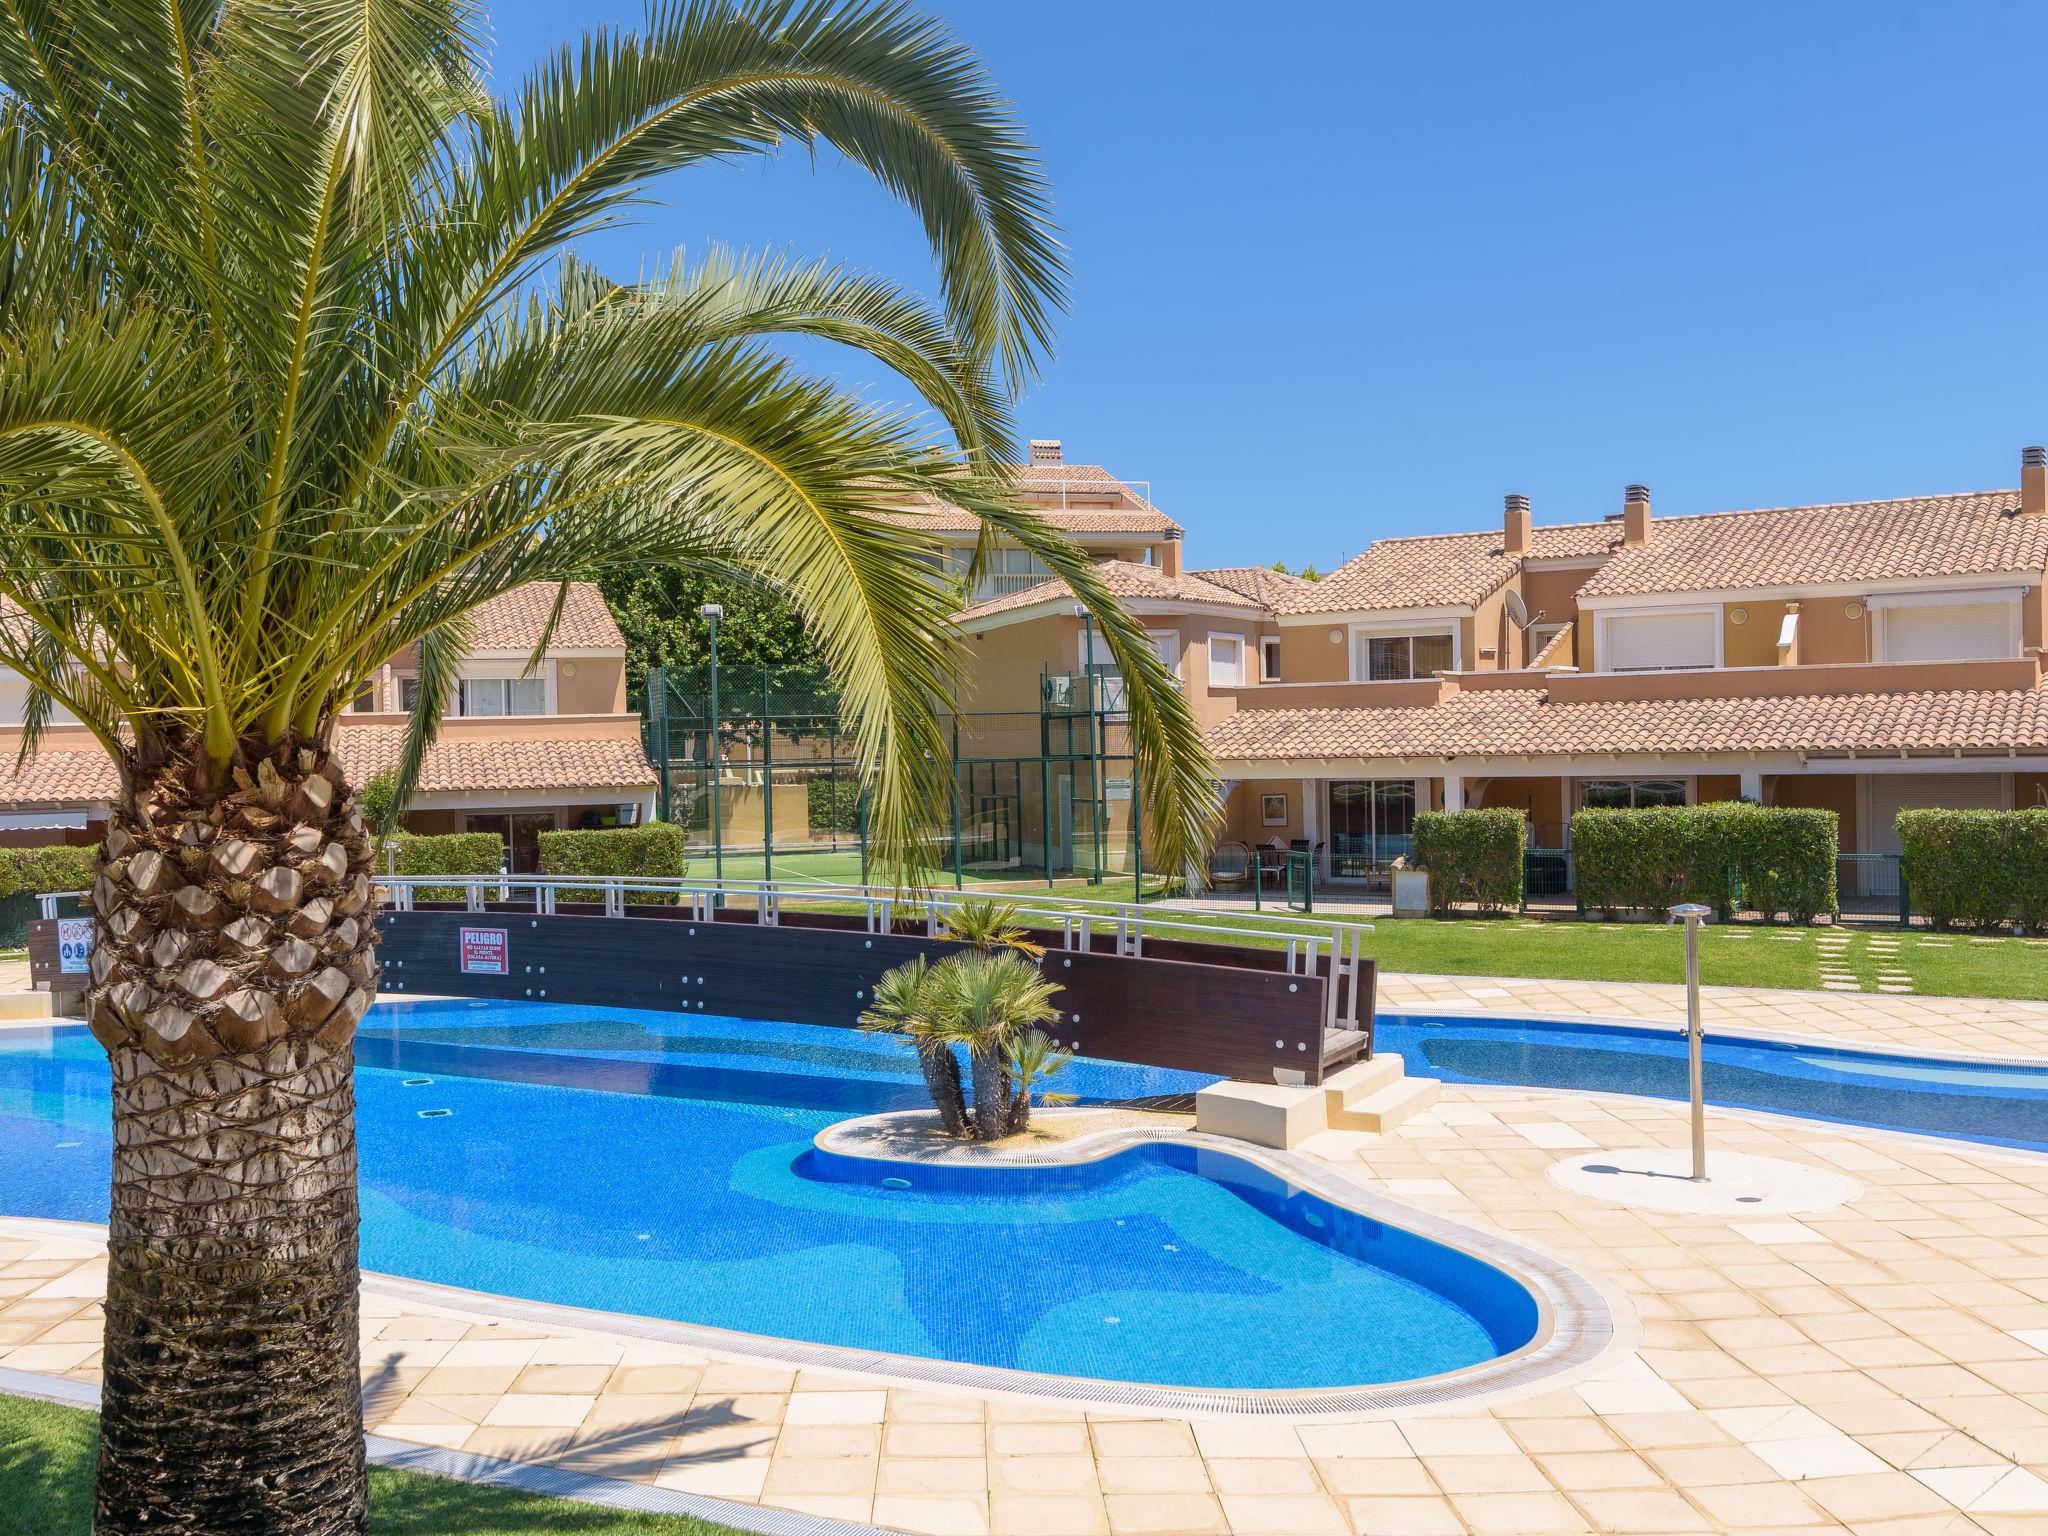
1342 271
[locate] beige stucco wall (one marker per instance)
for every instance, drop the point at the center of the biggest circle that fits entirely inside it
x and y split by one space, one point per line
590 685
1753 640
1244 815
1307 654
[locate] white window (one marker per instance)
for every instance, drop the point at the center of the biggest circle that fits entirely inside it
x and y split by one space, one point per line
408 693
502 696
1949 632
1166 644
365 701
1685 641
1226 661
1387 658
1269 658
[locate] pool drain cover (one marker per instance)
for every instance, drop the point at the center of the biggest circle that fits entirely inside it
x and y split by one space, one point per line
895 1183
435 1114
418 1082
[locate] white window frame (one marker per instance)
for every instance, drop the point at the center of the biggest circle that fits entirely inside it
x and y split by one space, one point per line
1361 671
1603 643
1166 646
1269 658
1209 654
1881 609
544 675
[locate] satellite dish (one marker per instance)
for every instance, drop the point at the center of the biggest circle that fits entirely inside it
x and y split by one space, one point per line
1518 611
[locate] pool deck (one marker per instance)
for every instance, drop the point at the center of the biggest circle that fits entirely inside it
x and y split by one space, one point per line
1881 1367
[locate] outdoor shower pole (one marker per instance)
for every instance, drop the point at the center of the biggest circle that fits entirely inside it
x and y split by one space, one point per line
711 613
1695 1032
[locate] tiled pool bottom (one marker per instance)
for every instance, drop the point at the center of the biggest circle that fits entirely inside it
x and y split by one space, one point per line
679 1188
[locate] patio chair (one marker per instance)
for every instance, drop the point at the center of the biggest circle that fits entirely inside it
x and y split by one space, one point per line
1270 862
1230 867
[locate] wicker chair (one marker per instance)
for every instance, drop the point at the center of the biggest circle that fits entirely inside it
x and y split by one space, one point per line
1230 867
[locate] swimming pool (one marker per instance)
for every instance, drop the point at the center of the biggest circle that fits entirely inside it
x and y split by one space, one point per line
1996 1103
661 1165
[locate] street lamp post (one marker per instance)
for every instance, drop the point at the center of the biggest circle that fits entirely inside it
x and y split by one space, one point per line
711 613
1695 1031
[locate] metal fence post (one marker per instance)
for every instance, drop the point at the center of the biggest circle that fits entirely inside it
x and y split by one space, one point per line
1905 899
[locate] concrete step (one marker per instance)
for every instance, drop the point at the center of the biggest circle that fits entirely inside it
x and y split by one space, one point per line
1361 1080
26 1005
1380 1112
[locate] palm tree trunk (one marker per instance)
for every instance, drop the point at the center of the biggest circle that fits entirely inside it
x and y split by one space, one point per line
941 1070
991 1092
233 956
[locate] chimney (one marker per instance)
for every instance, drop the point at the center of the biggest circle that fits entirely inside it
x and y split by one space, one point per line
1169 555
1635 517
2033 481
1519 533
1047 450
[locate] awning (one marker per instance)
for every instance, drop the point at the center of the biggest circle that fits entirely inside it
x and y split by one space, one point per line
41 821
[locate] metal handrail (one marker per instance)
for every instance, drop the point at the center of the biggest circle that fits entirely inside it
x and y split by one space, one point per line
1342 943
1078 920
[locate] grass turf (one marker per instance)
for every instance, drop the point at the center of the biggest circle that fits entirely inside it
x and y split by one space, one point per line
46 1464
1881 960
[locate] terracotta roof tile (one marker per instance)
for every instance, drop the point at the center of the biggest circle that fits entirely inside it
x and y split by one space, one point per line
454 765
1527 721
460 763
1128 512
1439 570
1979 533
57 778
1125 579
514 621
1261 583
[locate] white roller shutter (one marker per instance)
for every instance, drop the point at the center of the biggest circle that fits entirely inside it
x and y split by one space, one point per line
1659 642
1948 632
1891 793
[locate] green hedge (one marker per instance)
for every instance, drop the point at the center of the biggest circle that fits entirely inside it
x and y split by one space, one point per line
1977 869
834 805
1766 859
660 849
26 873
451 853
1473 858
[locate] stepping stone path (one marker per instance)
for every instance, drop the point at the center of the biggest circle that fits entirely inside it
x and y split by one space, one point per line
1891 975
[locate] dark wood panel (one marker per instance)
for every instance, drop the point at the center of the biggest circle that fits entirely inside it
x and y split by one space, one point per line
1225 1020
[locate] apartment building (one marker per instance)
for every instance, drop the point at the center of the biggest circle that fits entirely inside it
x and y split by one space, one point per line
1105 515
1864 657
518 752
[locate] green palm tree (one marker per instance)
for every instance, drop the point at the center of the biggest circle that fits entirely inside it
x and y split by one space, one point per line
988 926
1033 1058
906 1003
985 1000
285 387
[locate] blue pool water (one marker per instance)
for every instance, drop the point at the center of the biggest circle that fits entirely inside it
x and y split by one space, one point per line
661 1164
1998 1104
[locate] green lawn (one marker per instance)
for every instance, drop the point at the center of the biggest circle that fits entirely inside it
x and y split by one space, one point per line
46 1459
1745 955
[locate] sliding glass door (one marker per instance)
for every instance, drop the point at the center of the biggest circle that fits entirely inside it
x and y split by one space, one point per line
1372 823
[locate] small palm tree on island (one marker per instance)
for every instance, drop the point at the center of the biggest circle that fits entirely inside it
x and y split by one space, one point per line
990 1002
294 374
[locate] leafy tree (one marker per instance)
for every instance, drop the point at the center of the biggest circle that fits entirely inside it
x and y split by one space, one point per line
657 610
285 389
